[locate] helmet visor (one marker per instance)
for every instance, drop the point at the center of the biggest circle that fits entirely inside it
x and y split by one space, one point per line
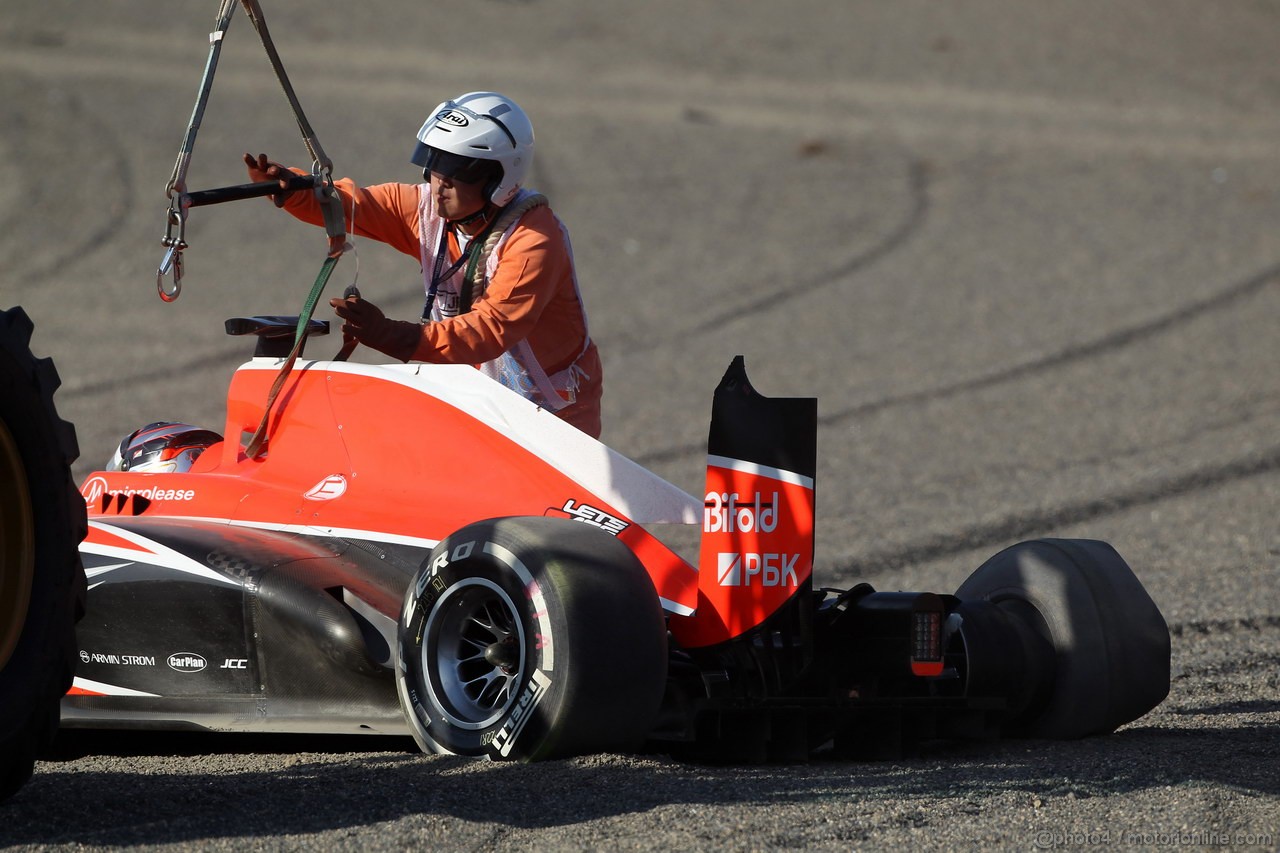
466 170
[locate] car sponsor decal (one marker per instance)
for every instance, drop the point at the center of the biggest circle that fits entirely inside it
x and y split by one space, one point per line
96 486
757 570
727 512
588 514
187 662
756 549
331 487
534 692
114 659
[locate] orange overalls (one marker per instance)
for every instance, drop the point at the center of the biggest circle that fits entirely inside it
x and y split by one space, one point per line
531 295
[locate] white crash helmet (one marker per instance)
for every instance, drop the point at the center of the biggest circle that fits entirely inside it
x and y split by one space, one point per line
163 447
473 130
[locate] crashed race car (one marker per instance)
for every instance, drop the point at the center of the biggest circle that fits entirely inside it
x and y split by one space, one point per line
477 573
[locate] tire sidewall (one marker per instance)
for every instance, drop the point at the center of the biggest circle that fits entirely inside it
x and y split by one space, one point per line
592 632
462 563
40 668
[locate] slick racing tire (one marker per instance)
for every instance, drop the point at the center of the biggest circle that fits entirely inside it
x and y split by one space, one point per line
531 639
42 520
1110 660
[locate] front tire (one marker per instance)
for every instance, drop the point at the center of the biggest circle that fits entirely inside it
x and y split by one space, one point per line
42 520
531 639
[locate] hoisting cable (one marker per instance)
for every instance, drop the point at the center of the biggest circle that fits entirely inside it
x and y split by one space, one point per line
322 166
320 182
176 221
180 200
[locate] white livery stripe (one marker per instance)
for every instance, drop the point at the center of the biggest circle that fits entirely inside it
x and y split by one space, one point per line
106 689
152 553
759 470
96 573
672 607
100 570
336 532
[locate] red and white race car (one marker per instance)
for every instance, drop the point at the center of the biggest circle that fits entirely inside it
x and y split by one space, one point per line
421 550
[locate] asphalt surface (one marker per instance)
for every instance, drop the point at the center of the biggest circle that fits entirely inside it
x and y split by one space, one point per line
1027 256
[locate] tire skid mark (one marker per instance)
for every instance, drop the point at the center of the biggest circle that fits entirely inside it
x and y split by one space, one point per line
1019 526
1244 706
107 386
1104 345
231 354
911 224
116 207
1204 627
1090 349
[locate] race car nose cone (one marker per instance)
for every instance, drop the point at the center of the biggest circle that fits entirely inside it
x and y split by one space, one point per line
503 654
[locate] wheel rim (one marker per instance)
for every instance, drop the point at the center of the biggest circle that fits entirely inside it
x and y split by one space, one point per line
17 545
474 653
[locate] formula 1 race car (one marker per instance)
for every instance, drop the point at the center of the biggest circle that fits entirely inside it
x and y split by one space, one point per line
418 550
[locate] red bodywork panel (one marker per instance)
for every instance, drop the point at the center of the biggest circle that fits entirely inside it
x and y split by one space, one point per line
405 453
757 549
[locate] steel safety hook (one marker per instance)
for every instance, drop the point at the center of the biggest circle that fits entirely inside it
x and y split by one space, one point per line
172 260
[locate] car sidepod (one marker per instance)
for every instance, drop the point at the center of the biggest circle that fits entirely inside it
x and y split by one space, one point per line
201 625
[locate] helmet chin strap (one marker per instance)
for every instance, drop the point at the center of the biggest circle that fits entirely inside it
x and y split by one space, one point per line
485 209
472 218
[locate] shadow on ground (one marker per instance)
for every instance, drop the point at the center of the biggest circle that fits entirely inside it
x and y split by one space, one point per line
361 782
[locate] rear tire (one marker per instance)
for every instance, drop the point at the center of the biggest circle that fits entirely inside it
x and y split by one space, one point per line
531 639
42 586
1110 643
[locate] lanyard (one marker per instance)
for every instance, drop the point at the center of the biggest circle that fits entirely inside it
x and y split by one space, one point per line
438 274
